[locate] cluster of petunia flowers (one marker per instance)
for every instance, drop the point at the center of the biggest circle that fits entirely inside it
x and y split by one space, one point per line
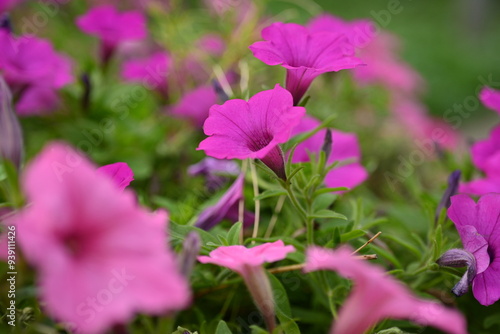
101 258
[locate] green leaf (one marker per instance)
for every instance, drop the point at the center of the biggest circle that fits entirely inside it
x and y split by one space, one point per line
326 214
179 232
283 309
222 328
329 190
270 193
406 245
233 236
257 330
354 234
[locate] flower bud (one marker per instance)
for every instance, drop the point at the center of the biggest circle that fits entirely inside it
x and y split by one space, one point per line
11 143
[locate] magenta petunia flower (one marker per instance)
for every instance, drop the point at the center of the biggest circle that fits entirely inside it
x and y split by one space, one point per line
100 258
385 67
254 129
195 105
226 208
377 296
345 150
34 71
479 229
248 262
112 27
490 98
359 32
486 157
150 72
213 44
119 172
304 54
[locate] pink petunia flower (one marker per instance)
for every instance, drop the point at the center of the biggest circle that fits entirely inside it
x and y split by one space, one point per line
486 157
426 130
112 27
254 129
304 54
377 296
359 32
213 44
479 229
195 105
490 98
100 258
345 149
34 71
119 172
385 67
150 72
248 262
226 208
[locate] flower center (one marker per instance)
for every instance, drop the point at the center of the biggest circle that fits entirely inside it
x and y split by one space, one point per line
259 141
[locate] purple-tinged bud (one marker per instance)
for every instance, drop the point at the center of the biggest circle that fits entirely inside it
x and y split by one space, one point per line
276 162
453 183
11 141
221 94
460 258
5 22
327 144
87 91
190 250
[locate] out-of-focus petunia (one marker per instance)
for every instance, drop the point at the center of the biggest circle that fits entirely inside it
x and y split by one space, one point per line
385 67
425 129
6 5
100 258
226 208
248 262
151 71
478 225
239 129
490 98
359 32
304 54
194 105
486 158
112 27
119 172
215 171
34 72
377 296
213 44
345 150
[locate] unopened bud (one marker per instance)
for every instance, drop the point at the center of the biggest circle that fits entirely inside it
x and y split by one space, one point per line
11 139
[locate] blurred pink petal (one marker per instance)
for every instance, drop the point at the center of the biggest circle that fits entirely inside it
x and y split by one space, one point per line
490 98
377 296
195 105
100 258
119 172
150 72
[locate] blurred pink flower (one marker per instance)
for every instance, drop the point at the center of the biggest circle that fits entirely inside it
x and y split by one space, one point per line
427 130
6 5
248 262
34 71
486 157
385 68
100 258
377 296
195 104
112 27
490 98
226 208
304 54
359 32
239 129
213 44
119 172
345 149
150 72
477 224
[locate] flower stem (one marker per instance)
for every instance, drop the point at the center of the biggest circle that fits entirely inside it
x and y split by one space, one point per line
257 202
